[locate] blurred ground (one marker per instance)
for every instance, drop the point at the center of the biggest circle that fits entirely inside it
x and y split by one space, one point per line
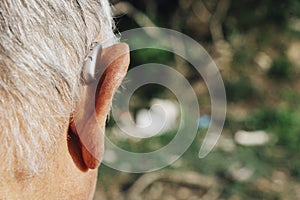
256 45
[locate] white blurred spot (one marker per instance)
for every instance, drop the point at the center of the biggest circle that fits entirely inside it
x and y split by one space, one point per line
226 144
110 156
263 60
240 173
160 118
253 138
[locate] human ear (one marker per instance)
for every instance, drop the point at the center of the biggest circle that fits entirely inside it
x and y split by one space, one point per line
102 75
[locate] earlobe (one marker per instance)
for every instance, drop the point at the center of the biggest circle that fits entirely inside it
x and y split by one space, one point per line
74 146
88 120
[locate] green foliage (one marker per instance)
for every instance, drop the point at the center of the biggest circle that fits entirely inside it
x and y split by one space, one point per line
283 122
240 89
294 164
263 13
243 57
250 26
139 57
281 68
145 145
292 97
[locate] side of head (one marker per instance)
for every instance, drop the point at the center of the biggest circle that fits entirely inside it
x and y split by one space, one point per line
43 48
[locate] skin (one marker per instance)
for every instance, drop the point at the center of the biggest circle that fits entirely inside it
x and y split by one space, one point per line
73 165
63 180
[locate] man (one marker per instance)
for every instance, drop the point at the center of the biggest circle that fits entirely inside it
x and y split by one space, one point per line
59 68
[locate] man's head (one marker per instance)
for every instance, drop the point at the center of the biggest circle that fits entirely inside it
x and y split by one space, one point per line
51 136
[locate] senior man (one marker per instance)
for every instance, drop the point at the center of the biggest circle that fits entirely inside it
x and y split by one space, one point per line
59 68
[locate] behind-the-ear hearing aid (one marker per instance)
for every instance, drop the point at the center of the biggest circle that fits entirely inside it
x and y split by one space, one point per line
101 75
89 68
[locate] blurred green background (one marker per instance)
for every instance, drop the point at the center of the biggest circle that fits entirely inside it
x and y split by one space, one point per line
256 45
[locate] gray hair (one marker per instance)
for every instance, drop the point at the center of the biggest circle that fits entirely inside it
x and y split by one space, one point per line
43 45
